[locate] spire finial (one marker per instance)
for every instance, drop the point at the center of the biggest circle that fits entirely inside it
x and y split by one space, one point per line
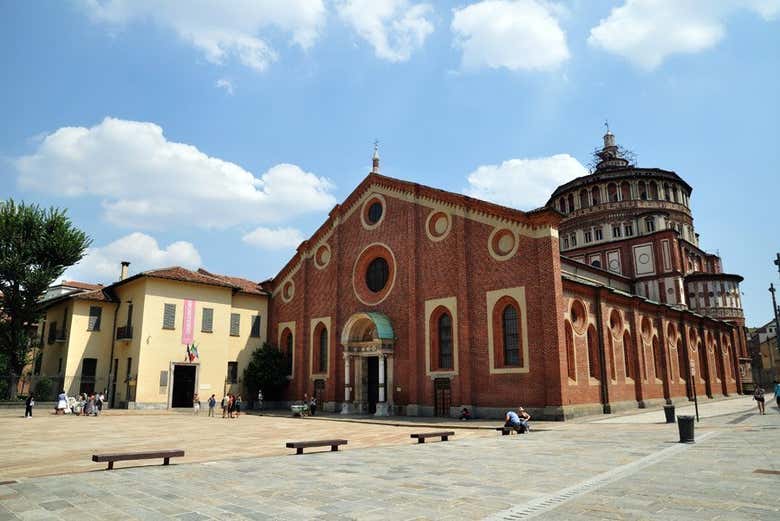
375 167
606 125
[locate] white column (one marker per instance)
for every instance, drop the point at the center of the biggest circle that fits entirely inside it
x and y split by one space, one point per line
381 378
346 378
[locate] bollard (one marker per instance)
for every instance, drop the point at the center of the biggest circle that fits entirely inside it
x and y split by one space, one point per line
685 426
669 412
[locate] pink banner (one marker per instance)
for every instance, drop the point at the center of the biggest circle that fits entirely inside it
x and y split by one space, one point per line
188 322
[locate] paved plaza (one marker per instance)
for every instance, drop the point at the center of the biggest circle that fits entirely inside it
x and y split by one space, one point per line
573 471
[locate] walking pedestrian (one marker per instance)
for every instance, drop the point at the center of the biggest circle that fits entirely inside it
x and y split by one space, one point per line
101 398
62 403
777 394
758 396
260 399
313 405
28 405
212 404
196 404
237 406
225 403
231 405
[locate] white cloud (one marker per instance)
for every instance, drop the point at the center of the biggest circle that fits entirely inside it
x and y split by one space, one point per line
395 28
222 29
514 34
101 264
224 83
523 183
646 32
146 181
274 238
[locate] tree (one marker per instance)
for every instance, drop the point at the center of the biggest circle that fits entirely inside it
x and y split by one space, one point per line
36 246
267 370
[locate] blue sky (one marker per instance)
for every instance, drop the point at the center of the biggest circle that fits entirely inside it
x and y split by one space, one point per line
182 133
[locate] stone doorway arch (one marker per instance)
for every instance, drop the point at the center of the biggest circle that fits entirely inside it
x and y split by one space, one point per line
368 344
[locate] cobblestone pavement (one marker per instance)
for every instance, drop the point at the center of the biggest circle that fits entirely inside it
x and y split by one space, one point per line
583 471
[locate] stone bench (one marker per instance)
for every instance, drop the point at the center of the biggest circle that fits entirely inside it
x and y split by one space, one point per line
421 436
300 445
166 455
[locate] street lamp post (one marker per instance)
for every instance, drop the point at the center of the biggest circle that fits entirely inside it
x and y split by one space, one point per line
777 320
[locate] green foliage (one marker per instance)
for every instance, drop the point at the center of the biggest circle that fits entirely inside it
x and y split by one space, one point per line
267 370
44 390
36 246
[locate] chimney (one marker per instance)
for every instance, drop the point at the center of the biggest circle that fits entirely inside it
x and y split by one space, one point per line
123 272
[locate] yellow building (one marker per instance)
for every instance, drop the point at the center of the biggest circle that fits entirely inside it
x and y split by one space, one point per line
154 339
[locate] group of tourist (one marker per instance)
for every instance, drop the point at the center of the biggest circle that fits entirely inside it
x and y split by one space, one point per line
758 396
87 404
231 405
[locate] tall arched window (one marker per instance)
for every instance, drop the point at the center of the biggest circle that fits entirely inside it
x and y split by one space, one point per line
571 202
584 199
562 204
287 347
593 353
571 362
445 341
628 355
653 191
511 334
612 192
595 195
323 358
702 367
625 191
611 361
657 365
642 191
681 369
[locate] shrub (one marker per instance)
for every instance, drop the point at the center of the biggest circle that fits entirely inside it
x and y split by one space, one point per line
44 389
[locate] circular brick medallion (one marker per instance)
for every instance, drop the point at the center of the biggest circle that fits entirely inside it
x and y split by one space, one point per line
578 316
438 225
502 243
322 256
373 274
288 290
373 212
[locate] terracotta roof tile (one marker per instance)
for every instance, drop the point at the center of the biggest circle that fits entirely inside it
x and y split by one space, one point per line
80 285
185 275
243 285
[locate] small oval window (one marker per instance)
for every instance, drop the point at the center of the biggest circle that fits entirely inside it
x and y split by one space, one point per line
375 212
377 274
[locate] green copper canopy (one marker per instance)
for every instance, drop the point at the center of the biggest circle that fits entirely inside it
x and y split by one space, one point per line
384 329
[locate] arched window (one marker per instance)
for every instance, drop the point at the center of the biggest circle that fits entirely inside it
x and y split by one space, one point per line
511 336
702 367
628 355
571 362
595 195
584 199
323 354
612 192
593 353
642 191
653 191
611 361
667 192
625 191
571 202
287 346
657 365
681 362
445 341
562 204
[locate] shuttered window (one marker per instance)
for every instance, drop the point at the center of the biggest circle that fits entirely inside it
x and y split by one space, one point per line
207 325
235 324
169 316
95 313
255 327
232 376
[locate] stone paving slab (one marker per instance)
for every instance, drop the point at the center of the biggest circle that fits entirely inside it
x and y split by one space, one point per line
469 477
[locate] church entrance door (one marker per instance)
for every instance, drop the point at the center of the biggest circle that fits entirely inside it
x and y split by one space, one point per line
373 383
442 397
